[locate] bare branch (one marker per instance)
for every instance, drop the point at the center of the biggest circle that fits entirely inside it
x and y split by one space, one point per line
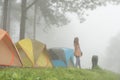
31 4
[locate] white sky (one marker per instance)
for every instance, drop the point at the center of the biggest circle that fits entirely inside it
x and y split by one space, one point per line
95 33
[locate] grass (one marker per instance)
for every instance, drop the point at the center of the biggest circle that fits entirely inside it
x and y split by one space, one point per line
56 74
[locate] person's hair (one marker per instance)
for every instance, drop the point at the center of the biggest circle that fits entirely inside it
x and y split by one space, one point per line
76 40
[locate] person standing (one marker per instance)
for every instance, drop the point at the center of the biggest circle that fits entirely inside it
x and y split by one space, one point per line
77 52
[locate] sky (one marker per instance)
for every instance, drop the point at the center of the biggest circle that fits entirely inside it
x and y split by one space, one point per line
94 34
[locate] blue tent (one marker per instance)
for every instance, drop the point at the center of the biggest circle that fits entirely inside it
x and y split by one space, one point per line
61 57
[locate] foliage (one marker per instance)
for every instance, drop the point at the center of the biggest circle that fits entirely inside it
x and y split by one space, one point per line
54 11
115 2
113 51
56 74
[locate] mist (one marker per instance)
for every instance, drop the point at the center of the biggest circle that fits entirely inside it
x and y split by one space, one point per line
97 35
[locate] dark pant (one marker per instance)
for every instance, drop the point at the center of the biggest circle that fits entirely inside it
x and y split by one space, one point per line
78 61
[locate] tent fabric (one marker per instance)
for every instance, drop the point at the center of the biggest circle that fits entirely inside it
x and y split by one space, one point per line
33 53
9 55
69 55
58 63
61 57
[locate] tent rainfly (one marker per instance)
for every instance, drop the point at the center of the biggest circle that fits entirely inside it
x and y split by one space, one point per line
61 57
33 53
9 55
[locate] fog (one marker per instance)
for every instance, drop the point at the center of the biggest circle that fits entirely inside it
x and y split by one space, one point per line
95 35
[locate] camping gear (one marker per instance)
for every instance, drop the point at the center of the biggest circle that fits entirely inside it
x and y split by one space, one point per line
33 53
61 57
9 55
94 61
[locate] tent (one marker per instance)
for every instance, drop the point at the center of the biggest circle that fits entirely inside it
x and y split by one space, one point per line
33 53
8 53
61 57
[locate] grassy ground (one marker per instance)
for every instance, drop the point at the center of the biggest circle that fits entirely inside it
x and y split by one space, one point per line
56 74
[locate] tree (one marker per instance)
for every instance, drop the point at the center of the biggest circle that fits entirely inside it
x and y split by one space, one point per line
115 2
23 19
9 17
24 9
54 11
5 14
113 54
34 27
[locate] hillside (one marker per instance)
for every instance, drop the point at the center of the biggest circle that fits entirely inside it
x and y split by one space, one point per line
56 74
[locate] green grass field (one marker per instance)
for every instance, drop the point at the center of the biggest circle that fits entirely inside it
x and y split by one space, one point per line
56 74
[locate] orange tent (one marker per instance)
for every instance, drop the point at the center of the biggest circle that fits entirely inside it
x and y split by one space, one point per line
9 55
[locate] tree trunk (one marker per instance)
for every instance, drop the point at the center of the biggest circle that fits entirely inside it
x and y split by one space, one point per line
23 19
5 14
9 17
34 27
